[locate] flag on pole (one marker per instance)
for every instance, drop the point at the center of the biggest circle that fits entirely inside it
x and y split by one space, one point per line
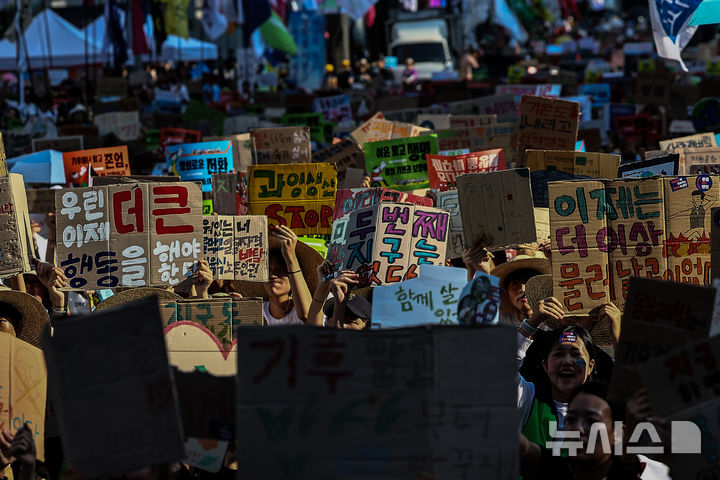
276 35
671 26
707 13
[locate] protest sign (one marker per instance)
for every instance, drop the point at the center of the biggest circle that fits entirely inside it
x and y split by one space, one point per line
205 453
682 386
547 124
666 165
348 200
449 201
281 145
603 232
385 243
334 109
480 301
225 193
354 178
23 388
128 235
469 121
434 121
375 129
121 380
555 165
235 247
498 205
16 237
344 154
241 148
124 125
504 106
61 144
700 140
431 298
202 333
415 373
659 317
300 195
320 130
174 136
102 161
198 161
207 404
466 140
400 163
653 88
694 161
443 170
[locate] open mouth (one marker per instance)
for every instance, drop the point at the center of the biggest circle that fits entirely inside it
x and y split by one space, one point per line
522 298
566 373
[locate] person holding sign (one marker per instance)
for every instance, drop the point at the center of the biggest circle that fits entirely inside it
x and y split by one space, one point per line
514 274
21 449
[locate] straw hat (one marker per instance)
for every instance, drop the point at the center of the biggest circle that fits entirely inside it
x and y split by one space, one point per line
520 262
308 258
132 294
540 287
33 316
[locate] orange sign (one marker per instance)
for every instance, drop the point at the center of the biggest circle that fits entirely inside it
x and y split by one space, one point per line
104 161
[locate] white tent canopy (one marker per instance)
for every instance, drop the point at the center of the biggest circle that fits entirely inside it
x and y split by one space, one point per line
51 42
174 47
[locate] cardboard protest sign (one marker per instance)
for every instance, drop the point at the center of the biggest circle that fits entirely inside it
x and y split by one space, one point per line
334 109
202 333
385 243
198 161
336 384
499 205
23 389
374 129
301 195
236 247
434 121
344 154
700 140
348 200
125 125
555 165
696 161
320 130
449 201
61 144
103 162
400 163
121 380
466 140
480 301
16 238
281 145
659 317
128 235
225 193
429 299
666 165
174 136
547 124
604 232
241 148
354 178
504 106
469 121
443 170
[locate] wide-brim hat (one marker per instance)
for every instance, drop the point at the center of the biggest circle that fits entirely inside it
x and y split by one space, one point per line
520 262
132 294
358 303
308 258
540 287
33 316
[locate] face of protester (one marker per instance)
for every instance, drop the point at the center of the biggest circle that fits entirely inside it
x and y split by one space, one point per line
584 411
353 323
279 282
567 365
516 293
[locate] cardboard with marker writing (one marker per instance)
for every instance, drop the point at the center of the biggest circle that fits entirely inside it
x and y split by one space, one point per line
224 192
124 125
16 238
349 199
301 196
700 140
23 389
281 145
251 248
130 219
345 154
497 204
547 124
449 201
698 161
375 129
354 178
218 245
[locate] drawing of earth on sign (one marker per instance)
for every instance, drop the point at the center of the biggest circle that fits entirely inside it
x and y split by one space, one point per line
192 346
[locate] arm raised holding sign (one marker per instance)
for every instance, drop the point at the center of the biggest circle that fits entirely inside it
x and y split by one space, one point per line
300 293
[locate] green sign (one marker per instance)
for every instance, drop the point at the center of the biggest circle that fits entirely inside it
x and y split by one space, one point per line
400 163
320 130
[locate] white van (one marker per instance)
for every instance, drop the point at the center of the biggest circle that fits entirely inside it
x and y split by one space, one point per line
426 42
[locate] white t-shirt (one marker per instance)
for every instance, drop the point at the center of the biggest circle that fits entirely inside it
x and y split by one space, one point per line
290 319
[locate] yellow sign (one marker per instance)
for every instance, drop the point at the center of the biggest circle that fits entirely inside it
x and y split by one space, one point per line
646 65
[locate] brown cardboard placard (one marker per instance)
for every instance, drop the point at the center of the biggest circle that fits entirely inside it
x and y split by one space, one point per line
345 154
251 248
224 193
242 149
16 240
301 195
659 316
374 129
604 232
354 178
347 200
547 124
129 236
281 145
218 245
23 388
699 140
694 161
499 205
588 164
206 403
61 144
449 201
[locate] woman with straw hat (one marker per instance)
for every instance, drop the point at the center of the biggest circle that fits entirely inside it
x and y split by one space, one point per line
514 274
22 316
292 267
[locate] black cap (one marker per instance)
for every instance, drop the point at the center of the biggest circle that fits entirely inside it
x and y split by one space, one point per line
357 304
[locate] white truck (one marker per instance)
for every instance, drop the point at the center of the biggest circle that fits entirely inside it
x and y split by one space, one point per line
426 42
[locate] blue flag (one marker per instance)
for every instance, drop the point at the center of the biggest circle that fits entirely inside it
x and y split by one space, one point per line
671 26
